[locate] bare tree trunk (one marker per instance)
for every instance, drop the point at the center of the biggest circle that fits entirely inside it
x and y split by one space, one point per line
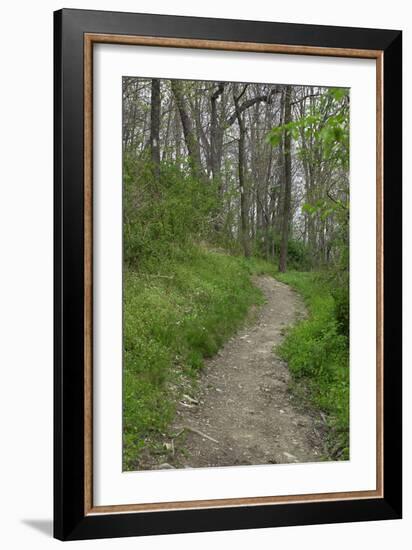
244 208
190 136
215 135
155 127
287 142
165 155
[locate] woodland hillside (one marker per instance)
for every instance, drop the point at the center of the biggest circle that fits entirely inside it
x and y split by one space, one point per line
222 181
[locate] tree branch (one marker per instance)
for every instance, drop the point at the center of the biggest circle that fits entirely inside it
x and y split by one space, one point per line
267 98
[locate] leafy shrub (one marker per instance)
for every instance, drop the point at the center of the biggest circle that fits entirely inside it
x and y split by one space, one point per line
161 217
340 289
341 297
298 253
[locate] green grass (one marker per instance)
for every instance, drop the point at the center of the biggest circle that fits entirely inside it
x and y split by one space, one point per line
174 317
317 353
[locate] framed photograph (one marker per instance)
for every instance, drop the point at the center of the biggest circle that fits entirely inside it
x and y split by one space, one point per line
227 274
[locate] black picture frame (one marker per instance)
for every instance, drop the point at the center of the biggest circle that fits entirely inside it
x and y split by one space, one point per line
70 520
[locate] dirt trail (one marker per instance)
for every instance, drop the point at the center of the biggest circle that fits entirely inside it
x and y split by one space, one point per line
243 405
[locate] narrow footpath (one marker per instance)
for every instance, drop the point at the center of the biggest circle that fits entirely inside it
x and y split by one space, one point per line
244 412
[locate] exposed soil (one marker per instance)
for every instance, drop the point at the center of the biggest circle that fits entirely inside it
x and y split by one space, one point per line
244 412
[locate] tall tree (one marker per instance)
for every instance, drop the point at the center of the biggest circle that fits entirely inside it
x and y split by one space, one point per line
216 134
189 133
155 127
287 175
244 195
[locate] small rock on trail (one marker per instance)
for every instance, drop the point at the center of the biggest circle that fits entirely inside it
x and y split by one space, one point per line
245 413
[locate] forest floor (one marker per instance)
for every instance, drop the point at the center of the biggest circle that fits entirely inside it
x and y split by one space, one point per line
243 411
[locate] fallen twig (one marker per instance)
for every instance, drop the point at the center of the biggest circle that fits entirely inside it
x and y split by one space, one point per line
188 405
198 432
161 276
190 399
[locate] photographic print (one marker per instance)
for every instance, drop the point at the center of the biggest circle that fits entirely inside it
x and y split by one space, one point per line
217 186
235 273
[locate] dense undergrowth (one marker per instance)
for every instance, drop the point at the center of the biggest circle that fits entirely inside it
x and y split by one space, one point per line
176 313
317 353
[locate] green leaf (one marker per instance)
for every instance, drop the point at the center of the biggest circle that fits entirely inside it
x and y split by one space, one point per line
338 93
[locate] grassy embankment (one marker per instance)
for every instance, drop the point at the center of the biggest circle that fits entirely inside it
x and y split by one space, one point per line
318 357
174 317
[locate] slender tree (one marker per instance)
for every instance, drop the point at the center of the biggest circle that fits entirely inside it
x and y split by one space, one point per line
155 127
192 143
287 184
244 203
